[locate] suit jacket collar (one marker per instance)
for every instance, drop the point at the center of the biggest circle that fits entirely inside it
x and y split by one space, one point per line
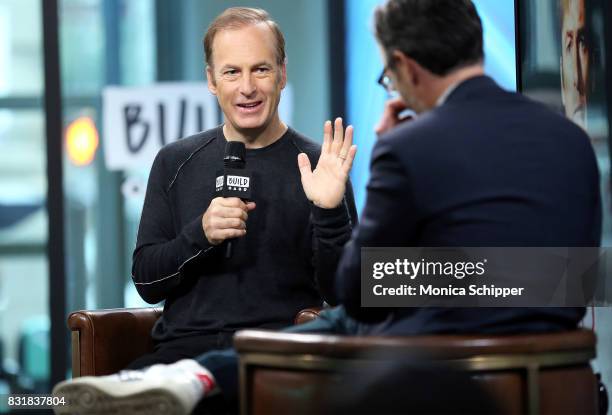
472 87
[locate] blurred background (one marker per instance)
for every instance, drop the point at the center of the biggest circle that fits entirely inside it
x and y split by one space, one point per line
112 47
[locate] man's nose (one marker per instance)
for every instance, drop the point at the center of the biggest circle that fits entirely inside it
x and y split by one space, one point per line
247 86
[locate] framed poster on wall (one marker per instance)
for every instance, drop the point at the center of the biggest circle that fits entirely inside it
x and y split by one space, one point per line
563 61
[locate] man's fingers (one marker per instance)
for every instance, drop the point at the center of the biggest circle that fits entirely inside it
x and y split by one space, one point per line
223 234
234 233
327 137
396 105
390 116
348 142
304 165
250 206
233 213
230 223
338 136
218 223
348 163
226 212
232 202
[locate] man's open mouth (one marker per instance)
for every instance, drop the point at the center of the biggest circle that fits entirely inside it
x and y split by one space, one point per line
249 106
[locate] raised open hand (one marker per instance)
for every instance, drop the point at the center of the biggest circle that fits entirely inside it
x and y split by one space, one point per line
325 186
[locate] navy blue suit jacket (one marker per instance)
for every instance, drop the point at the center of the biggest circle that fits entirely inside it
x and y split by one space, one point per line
487 168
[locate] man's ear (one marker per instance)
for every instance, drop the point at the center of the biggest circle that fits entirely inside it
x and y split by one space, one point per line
283 80
406 67
210 78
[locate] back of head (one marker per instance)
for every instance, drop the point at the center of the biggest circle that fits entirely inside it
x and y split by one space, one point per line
440 35
237 17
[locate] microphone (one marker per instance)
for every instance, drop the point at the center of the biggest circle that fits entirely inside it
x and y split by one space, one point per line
234 180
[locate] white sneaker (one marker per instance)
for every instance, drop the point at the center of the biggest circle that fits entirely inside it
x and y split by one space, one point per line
160 389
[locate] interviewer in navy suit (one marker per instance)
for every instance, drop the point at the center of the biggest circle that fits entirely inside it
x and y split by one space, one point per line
478 166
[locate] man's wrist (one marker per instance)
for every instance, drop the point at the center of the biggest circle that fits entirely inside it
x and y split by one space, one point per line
338 213
195 233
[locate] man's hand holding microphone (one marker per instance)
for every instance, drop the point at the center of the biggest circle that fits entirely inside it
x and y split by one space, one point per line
226 218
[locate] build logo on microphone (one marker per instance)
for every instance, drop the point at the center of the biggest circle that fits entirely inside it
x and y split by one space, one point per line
237 183
240 183
219 183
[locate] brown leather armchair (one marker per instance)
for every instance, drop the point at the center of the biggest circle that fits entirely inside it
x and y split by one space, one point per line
535 374
106 341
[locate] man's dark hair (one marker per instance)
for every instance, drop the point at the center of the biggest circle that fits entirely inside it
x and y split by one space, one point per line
441 35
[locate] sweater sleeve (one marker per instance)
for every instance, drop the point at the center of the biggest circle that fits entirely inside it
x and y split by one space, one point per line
161 254
332 229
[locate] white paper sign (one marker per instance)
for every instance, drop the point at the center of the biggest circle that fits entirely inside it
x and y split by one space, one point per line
138 121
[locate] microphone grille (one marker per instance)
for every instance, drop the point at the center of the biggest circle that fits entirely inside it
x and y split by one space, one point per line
234 151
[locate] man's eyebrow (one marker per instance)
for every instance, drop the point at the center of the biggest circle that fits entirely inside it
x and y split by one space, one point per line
262 63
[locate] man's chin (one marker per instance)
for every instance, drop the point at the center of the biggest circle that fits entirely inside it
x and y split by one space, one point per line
250 126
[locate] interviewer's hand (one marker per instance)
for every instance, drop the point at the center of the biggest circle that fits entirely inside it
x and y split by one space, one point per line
225 218
390 117
325 185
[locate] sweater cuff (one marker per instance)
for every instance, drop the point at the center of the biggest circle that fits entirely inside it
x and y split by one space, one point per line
335 217
195 234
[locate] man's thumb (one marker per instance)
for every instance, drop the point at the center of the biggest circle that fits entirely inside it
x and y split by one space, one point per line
304 164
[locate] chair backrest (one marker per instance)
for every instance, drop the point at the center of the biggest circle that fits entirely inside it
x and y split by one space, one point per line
106 341
539 373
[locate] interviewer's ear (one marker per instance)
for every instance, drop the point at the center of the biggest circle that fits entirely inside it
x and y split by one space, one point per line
406 68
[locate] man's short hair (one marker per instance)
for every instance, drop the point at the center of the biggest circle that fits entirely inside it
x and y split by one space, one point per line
440 35
238 17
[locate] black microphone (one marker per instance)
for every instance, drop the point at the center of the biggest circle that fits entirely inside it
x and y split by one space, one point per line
234 180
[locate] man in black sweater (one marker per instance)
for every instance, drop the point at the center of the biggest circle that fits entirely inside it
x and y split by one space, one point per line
286 242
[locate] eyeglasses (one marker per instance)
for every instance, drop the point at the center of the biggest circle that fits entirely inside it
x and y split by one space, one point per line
385 81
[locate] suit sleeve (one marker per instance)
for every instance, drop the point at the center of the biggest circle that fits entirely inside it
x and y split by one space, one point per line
389 218
161 254
332 229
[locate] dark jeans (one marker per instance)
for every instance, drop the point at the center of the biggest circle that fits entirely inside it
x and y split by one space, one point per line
223 364
183 348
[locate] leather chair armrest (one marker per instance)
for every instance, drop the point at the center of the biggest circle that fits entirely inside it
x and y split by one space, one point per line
527 373
307 314
430 346
106 341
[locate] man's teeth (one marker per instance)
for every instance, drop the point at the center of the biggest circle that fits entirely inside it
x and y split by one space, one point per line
249 105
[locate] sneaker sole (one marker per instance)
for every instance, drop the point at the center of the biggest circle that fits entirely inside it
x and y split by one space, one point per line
86 399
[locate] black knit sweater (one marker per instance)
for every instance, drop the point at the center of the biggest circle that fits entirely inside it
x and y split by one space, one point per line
286 261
